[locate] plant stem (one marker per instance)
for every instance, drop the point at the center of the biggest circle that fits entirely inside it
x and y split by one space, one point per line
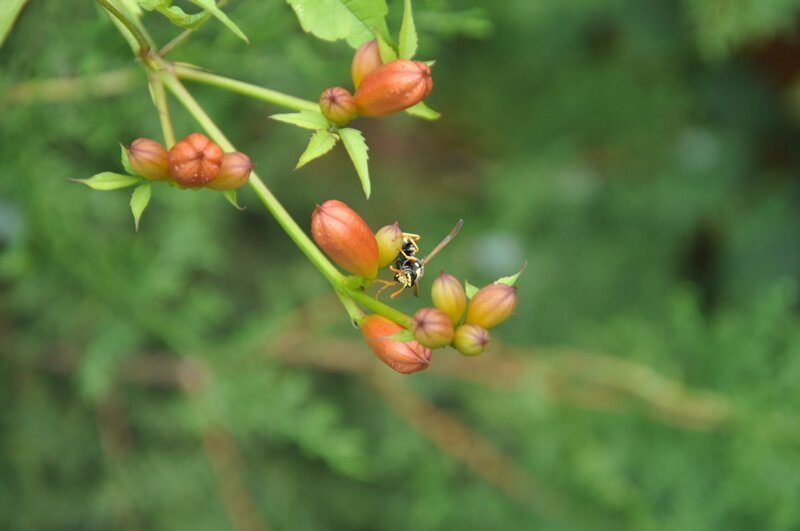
247 89
133 29
160 101
377 306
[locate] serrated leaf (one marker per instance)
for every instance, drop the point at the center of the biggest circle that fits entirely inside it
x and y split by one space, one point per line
211 7
352 20
321 142
386 50
230 195
109 181
407 44
139 199
180 18
304 119
126 163
470 289
420 110
357 149
511 280
9 11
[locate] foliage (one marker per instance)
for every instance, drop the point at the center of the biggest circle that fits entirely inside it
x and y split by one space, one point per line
189 376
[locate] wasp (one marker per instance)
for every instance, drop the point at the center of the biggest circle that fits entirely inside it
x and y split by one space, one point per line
408 268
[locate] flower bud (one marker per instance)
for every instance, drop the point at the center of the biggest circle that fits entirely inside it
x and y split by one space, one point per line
393 87
471 340
390 241
148 158
448 295
345 237
233 173
403 356
194 161
432 328
366 59
337 105
492 305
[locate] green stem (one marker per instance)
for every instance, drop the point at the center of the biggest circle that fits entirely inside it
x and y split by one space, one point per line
160 101
137 33
247 89
377 306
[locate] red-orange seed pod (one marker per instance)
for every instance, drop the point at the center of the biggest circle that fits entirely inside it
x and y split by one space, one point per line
194 161
366 59
393 87
345 237
492 305
148 158
403 356
337 105
233 173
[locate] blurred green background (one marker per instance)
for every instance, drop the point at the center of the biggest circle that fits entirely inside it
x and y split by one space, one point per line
642 156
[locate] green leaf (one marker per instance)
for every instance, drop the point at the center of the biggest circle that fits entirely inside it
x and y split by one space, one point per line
510 281
230 195
152 5
109 181
321 142
357 148
179 17
304 119
352 20
420 110
139 199
407 46
9 11
402 336
126 163
470 289
385 49
211 7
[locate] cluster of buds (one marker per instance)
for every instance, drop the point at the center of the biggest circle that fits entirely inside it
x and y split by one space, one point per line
452 321
194 162
381 89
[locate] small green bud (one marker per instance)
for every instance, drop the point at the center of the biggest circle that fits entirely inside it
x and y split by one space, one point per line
148 159
448 295
432 328
492 305
471 340
337 105
390 241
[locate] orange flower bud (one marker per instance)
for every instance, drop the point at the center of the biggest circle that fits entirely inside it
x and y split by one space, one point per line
390 240
345 237
337 105
393 87
471 340
432 328
148 158
233 173
448 295
403 356
366 59
194 161
492 305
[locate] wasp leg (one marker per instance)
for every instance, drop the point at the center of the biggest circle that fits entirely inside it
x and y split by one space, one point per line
386 284
398 292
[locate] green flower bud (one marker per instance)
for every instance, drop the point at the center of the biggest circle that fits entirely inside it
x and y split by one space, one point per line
432 328
337 105
390 241
492 305
148 159
471 340
345 237
448 295
404 357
